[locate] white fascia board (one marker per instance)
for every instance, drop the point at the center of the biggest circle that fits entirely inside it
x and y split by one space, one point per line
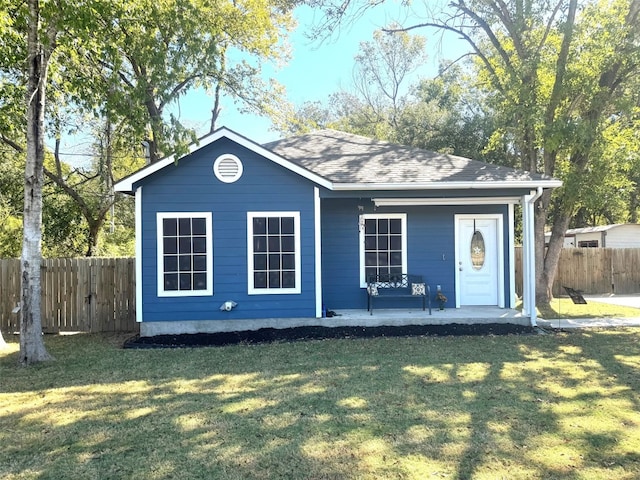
403 202
260 150
444 185
126 184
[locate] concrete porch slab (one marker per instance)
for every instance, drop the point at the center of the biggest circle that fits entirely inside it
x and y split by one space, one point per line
464 315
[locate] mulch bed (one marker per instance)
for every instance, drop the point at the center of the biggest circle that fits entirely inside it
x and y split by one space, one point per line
270 335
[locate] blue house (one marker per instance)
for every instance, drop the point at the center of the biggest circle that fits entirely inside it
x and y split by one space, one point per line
236 235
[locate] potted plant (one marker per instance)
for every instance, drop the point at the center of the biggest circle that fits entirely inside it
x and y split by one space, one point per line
441 299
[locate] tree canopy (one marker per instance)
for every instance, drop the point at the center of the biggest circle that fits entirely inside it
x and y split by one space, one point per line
148 53
127 63
560 77
124 62
388 101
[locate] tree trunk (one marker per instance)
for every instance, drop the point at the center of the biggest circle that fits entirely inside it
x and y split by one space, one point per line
32 348
215 111
94 232
95 219
155 127
634 204
217 106
548 256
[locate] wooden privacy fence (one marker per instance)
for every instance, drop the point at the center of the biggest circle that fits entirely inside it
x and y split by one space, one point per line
78 294
593 270
98 294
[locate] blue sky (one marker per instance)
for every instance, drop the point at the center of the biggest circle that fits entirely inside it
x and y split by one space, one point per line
317 69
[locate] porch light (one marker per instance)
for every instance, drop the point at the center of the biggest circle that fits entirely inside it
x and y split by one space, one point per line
228 306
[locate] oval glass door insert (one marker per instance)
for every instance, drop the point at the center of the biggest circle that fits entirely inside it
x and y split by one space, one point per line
477 250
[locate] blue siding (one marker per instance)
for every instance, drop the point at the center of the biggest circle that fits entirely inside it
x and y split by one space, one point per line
191 186
340 255
430 248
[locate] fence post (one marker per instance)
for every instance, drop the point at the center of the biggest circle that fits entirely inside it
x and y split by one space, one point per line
93 299
611 273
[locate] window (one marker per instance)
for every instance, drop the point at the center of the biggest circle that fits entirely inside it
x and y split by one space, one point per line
274 252
588 244
185 257
478 250
383 245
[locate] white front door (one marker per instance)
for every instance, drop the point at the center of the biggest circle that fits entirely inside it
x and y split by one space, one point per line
479 261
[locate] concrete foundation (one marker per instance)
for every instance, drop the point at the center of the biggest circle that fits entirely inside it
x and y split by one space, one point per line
344 318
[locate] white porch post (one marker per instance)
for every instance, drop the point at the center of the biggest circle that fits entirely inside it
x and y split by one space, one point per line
512 256
526 253
318 250
528 256
138 207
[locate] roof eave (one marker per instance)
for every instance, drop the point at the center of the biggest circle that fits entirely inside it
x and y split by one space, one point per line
444 185
126 184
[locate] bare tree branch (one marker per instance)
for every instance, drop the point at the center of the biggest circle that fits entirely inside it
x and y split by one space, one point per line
476 49
18 148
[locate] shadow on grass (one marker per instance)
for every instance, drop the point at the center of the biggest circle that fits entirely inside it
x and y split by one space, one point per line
516 407
565 308
619 362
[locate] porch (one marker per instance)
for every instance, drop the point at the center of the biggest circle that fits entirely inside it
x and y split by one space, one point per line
476 315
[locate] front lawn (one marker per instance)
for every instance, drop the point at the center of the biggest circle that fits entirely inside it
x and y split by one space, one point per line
563 405
565 308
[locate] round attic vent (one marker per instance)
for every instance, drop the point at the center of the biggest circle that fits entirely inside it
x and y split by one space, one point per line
227 168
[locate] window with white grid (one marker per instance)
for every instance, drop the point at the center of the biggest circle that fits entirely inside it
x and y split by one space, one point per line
185 257
274 252
383 245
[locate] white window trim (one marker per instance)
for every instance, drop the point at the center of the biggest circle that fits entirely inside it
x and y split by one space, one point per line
296 230
160 249
216 168
365 216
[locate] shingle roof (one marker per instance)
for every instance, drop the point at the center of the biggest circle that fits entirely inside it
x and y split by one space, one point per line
342 161
599 228
344 158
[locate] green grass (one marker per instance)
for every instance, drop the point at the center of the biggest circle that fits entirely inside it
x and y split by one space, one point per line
559 406
565 308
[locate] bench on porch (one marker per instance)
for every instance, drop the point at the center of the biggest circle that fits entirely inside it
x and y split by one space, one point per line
397 286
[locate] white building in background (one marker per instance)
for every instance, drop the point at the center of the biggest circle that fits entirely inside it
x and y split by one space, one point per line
620 235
